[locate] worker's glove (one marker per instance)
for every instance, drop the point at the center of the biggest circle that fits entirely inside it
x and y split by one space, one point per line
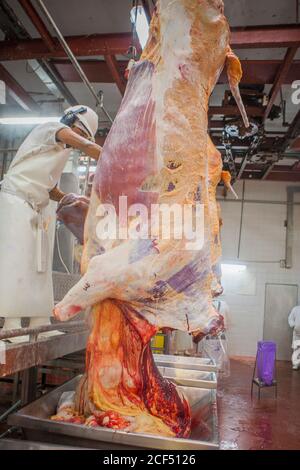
72 211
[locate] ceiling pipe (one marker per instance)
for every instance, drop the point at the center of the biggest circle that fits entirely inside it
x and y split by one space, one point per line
73 59
280 78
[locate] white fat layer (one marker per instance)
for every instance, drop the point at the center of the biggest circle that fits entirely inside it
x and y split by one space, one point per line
175 25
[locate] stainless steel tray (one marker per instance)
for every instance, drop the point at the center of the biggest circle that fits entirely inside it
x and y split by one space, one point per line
185 362
18 444
189 378
35 422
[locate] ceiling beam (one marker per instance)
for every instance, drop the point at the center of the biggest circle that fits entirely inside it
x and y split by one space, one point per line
283 176
38 23
280 78
97 71
102 44
15 31
264 72
267 141
254 111
97 44
17 91
265 36
255 72
114 69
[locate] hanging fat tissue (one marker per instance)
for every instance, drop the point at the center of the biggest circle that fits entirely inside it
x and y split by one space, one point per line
157 154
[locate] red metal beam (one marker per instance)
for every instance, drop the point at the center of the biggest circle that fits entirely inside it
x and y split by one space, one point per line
284 176
38 24
263 72
268 142
97 71
279 173
102 44
97 44
295 146
100 140
260 166
255 72
19 94
113 67
265 36
255 111
280 78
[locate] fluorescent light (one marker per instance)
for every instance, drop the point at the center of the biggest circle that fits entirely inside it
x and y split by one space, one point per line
28 120
233 268
139 19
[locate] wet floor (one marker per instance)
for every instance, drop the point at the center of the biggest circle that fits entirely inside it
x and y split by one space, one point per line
259 424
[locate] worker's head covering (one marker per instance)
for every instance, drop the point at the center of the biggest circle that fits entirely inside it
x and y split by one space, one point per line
82 117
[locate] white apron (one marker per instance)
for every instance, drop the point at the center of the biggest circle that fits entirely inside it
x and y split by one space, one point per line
27 225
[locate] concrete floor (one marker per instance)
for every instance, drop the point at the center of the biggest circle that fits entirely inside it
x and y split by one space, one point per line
265 424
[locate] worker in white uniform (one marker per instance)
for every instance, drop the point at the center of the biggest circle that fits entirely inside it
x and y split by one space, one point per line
294 322
28 215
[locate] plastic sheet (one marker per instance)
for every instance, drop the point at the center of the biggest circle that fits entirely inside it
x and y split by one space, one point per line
217 350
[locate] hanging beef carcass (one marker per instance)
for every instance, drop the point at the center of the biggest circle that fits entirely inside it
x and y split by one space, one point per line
136 280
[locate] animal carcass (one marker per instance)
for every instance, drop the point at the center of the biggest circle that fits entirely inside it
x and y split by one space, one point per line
135 279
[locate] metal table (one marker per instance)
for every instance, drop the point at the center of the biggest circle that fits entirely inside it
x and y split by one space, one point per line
185 362
26 357
36 425
190 378
18 444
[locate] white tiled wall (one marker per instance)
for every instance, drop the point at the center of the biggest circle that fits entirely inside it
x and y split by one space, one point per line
262 246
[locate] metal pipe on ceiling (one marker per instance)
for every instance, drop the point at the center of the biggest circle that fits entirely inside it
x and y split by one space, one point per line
73 59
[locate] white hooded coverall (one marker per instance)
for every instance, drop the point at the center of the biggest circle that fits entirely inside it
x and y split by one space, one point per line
27 224
294 322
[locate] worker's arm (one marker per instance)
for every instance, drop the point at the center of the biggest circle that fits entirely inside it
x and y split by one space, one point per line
68 137
56 194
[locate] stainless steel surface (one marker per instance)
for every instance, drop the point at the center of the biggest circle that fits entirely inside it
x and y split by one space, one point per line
25 355
73 59
185 362
17 444
63 282
35 422
10 410
189 378
6 334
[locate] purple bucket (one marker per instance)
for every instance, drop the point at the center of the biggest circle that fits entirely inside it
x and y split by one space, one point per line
266 357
